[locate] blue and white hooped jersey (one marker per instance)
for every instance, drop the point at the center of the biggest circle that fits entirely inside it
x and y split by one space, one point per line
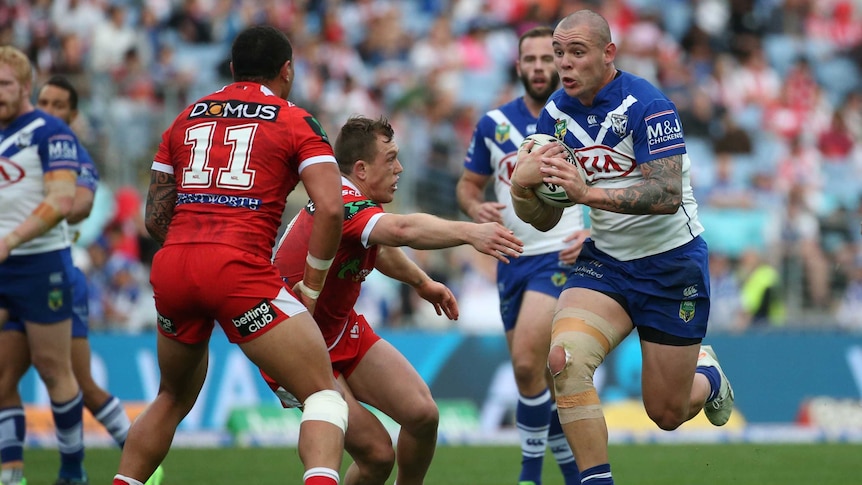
494 151
33 144
629 123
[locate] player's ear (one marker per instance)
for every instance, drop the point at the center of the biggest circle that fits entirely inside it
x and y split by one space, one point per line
360 168
610 52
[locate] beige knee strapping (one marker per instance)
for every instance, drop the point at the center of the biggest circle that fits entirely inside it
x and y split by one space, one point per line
586 339
326 405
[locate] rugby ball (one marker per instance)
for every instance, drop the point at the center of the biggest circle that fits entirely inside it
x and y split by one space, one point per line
549 193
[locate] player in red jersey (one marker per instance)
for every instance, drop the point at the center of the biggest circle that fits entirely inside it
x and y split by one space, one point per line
217 192
368 368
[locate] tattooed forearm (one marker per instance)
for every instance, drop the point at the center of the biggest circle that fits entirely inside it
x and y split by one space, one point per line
161 199
660 192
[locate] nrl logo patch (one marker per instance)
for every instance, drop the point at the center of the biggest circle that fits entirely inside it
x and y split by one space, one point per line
55 299
501 133
686 311
619 123
560 129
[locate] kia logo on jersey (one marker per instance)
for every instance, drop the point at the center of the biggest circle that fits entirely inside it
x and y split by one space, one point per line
10 172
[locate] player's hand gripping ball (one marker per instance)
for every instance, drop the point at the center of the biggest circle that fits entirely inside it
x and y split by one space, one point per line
549 193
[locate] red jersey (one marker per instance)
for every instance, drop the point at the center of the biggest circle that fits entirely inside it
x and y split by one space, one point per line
236 156
353 261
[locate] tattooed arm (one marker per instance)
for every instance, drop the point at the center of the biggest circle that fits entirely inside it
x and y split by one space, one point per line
161 199
660 191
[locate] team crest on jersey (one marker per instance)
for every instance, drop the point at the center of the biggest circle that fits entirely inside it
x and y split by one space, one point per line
501 133
560 129
55 299
559 279
686 310
619 123
25 139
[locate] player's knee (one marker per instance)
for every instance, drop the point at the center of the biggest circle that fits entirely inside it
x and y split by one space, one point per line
326 405
667 418
528 373
558 358
579 343
375 461
423 419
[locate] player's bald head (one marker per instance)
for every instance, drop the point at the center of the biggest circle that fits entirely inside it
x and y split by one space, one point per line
598 27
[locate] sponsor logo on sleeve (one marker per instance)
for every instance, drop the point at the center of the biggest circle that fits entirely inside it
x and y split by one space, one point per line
255 319
63 149
664 132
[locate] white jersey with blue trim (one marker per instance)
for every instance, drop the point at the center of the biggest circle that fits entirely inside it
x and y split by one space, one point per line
33 144
494 151
629 123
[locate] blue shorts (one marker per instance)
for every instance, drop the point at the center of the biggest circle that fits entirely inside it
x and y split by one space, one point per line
38 287
668 292
544 273
80 309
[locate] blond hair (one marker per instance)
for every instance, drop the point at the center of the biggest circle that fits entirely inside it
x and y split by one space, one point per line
19 63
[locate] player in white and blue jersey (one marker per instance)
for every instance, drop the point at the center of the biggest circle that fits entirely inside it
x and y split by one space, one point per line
58 97
38 171
645 265
528 286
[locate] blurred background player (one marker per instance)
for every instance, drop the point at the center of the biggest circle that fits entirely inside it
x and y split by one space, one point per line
36 272
58 97
528 287
218 187
369 368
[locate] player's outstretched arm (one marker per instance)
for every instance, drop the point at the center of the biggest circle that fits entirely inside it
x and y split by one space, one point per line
425 231
161 200
392 262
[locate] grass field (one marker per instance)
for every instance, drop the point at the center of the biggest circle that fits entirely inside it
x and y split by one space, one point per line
730 464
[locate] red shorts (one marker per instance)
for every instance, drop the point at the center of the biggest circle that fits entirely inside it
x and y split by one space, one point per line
345 354
197 285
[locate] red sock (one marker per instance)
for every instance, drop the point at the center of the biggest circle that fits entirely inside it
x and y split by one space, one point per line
319 476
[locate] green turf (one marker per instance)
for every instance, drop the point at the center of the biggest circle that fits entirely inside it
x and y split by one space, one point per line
736 464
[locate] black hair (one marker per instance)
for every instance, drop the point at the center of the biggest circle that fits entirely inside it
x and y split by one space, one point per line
63 83
258 53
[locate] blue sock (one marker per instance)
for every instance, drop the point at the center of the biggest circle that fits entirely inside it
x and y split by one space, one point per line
113 417
598 475
714 378
533 414
561 450
68 419
12 430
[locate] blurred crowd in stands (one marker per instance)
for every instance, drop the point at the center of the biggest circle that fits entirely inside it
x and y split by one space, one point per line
769 92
